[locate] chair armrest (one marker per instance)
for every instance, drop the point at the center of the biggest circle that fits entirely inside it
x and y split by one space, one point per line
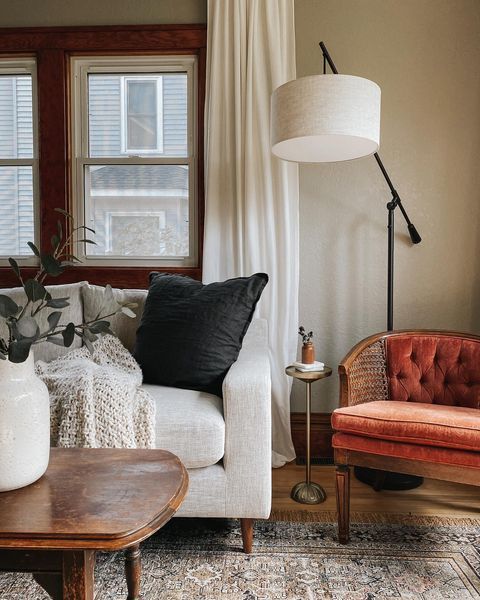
247 412
362 372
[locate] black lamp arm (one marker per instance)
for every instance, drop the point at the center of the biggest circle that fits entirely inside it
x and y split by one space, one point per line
414 235
328 58
412 230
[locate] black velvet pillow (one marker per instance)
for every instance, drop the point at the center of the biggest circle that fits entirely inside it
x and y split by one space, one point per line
190 333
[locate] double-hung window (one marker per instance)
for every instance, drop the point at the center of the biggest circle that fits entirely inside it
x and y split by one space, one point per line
18 157
134 168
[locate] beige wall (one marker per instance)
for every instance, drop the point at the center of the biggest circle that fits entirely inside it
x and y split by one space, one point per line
425 55
40 13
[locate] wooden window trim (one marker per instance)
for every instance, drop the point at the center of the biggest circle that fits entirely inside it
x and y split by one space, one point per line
52 47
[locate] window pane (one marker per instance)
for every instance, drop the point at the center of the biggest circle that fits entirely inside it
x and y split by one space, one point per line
141 132
137 120
16 121
105 115
16 210
137 210
142 97
141 120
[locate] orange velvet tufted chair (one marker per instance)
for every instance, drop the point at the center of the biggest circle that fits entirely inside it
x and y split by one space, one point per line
410 403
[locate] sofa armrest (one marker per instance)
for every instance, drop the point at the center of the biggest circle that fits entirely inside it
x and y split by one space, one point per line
247 412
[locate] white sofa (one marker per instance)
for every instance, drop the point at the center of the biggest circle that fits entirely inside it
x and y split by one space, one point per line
225 444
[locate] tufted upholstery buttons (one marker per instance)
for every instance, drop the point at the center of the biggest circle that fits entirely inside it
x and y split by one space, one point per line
434 369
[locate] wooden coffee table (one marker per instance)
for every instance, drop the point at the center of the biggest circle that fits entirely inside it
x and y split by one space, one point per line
88 500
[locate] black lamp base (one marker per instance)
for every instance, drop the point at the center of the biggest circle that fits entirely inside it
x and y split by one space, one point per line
392 481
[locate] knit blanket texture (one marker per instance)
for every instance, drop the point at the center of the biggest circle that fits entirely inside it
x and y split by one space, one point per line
96 400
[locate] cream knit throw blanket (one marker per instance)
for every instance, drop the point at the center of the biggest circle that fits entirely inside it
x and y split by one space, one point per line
96 400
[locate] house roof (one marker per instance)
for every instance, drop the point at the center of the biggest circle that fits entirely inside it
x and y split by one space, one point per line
154 177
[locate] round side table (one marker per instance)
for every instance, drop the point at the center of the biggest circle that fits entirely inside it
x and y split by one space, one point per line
308 492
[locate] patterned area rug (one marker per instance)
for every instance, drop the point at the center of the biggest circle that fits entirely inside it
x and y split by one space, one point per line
201 560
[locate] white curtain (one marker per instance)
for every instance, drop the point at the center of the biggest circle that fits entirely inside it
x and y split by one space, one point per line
251 221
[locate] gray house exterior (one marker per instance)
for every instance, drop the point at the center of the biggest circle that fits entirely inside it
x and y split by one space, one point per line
16 182
137 210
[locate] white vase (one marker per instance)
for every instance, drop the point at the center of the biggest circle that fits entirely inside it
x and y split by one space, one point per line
24 425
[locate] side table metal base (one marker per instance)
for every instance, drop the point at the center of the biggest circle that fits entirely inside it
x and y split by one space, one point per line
308 493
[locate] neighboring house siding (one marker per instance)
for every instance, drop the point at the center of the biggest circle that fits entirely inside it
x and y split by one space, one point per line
175 115
16 193
8 211
8 184
105 115
24 117
25 150
7 117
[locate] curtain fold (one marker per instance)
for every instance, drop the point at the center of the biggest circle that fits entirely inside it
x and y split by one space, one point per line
251 212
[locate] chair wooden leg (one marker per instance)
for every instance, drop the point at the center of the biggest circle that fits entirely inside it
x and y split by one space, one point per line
343 502
247 534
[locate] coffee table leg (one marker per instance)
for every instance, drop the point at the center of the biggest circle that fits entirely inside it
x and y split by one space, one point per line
78 569
133 571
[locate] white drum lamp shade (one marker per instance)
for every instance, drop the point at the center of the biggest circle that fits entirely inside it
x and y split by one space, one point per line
325 118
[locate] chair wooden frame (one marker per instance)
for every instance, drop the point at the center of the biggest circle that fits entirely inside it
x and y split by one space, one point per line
344 459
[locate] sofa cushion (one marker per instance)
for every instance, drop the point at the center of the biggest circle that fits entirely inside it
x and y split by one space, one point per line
434 369
190 424
191 333
424 424
442 456
125 328
47 351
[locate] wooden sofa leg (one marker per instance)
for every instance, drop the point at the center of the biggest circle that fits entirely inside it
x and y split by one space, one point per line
247 534
343 502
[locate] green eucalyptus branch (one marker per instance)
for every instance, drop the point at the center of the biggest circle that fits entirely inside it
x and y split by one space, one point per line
23 329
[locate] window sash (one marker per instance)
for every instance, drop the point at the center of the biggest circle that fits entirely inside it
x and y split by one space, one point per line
130 68
12 66
125 114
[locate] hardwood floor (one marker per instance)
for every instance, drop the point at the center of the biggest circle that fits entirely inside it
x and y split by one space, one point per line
433 498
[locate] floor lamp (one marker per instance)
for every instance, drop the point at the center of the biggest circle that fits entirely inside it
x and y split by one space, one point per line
332 118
